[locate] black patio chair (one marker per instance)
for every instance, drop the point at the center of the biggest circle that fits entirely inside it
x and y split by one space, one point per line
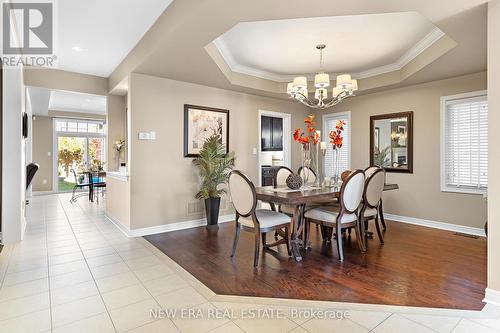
82 181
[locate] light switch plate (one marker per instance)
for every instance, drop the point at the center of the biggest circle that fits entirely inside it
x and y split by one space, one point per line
144 135
152 135
254 151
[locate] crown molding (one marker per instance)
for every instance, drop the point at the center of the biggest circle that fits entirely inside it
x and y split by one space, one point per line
406 58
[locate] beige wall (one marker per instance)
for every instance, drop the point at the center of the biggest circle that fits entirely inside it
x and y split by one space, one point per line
42 145
162 181
118 201
63 80
419 194
494 152
117 128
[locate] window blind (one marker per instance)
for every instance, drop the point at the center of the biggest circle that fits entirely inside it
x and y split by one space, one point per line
466 145
344 154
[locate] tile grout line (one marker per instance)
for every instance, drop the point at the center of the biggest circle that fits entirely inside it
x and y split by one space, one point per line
458 323
140 283
373 329
48 270
86 263
416 322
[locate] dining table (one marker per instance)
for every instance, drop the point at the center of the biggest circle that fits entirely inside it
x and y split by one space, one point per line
299 199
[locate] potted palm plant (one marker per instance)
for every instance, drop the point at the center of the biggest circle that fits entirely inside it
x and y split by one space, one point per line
214 166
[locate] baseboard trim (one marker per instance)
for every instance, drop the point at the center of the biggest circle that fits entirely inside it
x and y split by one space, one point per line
164 227
492 296
436 225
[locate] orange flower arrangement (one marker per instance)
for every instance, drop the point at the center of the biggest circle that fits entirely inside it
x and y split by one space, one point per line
312 134
336 138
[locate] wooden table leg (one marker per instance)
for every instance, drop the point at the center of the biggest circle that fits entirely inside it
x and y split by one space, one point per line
296 242
381 214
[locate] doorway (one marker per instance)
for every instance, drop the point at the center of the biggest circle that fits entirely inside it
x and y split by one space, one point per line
272 157
80 146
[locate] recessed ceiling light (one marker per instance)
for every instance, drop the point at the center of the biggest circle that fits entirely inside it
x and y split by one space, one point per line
76 48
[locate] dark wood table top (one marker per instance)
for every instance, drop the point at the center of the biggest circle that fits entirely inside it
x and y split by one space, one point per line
324 194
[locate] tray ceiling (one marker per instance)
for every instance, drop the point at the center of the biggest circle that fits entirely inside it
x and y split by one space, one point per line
364 45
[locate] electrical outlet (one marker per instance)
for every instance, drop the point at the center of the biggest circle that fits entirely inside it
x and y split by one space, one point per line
44 182
152 135
49 153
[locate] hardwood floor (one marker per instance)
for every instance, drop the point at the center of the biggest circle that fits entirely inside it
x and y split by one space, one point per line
417 266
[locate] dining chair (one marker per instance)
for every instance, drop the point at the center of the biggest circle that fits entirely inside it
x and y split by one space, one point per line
281 175
351 194
368 172
80 183
257 221
304 171
98 184
372 196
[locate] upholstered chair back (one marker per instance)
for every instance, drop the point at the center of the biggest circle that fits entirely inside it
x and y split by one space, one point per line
312 175
374 188
281 175
351 192
370 171
242 193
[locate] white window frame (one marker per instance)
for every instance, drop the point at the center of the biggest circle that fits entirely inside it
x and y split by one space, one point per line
325 137
444 100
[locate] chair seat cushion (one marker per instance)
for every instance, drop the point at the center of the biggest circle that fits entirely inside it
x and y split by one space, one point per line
267 218
329 215
369 212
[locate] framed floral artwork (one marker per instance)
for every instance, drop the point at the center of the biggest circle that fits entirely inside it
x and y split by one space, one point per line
200 123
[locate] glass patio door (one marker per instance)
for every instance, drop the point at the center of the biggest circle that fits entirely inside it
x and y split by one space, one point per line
81 146
71 155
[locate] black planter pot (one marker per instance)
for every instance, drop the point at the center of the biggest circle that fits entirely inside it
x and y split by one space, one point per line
212 206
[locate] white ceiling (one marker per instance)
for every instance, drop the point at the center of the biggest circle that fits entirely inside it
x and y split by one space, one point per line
359 44
94 36
42 100
77 102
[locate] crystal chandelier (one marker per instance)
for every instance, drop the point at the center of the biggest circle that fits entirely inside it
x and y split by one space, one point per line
345 87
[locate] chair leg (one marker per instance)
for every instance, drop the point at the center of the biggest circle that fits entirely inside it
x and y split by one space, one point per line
73 195
380 237
264 239
287 236
381 214
236 238
339 242
257 249
359 237
307 230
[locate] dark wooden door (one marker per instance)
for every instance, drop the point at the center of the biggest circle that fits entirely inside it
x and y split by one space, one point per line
277 134
266 125
271 133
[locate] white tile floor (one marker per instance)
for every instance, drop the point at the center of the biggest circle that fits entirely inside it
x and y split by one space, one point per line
76 272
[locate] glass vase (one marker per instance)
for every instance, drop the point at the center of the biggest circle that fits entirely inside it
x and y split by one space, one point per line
317 181
306 163
336 171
